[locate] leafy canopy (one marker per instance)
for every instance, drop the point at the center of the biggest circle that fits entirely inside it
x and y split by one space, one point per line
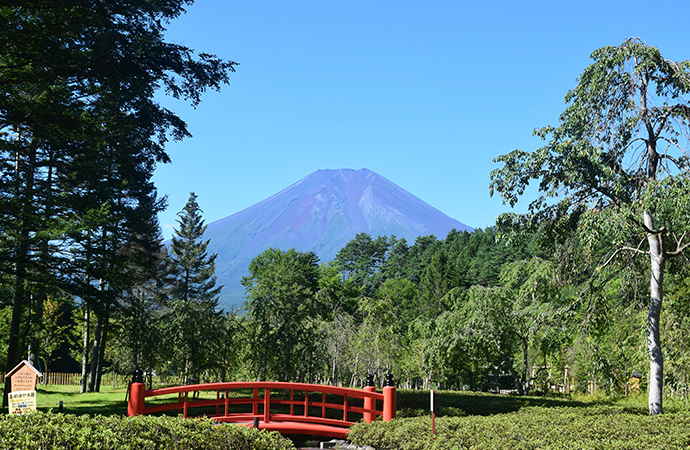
625 127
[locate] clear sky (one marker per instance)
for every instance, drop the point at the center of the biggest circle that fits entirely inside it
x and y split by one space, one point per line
426 94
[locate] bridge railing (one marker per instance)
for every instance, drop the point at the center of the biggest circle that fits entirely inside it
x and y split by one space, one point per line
302 404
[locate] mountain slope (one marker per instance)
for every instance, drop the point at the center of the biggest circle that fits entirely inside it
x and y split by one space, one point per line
321 212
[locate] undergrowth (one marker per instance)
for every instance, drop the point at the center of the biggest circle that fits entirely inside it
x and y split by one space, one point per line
534 427
41 431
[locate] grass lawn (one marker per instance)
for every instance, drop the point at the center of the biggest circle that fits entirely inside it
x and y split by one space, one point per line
108 402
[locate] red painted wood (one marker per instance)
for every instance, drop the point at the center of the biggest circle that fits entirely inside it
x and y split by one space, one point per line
285 423
267 405
388 403
136 403
369 404
306 403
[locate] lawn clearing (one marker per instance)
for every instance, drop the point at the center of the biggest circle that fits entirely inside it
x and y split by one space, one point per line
110 401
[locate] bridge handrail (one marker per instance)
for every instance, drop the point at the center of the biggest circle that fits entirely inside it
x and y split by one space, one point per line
356 393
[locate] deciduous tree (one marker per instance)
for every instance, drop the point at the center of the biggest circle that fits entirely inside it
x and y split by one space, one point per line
283 312
618 162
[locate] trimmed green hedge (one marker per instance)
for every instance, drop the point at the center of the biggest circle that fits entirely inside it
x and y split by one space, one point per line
61 431
596 427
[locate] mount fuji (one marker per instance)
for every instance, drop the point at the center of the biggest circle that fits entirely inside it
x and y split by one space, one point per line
320 213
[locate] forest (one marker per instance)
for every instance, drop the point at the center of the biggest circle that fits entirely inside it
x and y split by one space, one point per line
471 311
565 297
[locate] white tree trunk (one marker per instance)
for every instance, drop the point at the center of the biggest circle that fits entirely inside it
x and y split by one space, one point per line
656 290
85 350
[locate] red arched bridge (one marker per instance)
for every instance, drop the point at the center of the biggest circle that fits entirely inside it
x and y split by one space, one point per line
289 408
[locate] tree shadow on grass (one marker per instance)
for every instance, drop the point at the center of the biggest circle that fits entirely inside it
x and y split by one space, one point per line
75 403
78 410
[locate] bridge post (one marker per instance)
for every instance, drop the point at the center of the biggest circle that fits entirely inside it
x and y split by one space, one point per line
267 405
135 407
368 401
389 399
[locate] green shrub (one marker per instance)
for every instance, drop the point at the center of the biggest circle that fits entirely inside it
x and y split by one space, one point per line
411 412
60 431
444 411
451 411
596 427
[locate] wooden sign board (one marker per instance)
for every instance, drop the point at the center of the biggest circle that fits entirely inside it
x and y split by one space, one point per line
23 377
22 402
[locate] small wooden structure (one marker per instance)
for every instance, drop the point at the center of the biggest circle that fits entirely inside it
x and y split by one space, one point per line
23 377
22 396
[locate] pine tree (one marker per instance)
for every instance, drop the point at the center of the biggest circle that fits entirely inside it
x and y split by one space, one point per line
193 295
139 344
81 132
438 279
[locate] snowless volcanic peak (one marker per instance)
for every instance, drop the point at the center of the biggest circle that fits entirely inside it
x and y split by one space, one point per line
321 213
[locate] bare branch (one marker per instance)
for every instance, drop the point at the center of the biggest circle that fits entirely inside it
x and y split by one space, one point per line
662 122
672 159
679 242
678 250
647 229
629 249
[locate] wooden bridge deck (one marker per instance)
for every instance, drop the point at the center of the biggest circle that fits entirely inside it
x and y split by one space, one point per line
288 427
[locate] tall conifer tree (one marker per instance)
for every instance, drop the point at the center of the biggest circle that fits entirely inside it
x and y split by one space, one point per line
193 294
80 135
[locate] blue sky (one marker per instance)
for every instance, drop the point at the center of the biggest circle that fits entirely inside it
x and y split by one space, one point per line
426 94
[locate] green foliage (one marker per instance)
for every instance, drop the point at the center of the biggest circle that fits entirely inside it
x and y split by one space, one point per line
283 312
193 317
5 316
334 293
618 161
373 347
479 330
419 256
532 427
58 327
676 319
80 136
227 354
361 261
437 281
400 295
47 430
192 270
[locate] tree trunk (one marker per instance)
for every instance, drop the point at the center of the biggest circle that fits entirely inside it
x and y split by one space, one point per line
101 357
517 382
36 328
21 260
13 347
656 290
94 354
85 349
101 351
526 377
41 296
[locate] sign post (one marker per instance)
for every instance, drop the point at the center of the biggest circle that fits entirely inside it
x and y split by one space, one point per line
22 396
433 415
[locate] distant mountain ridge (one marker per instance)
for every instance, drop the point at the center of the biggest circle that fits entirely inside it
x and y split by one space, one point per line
321 213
